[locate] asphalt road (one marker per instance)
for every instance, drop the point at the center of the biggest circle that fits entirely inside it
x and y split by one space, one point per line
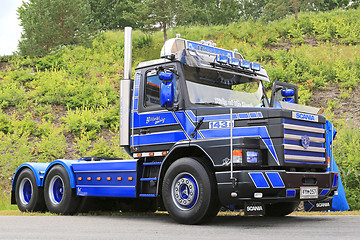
161 226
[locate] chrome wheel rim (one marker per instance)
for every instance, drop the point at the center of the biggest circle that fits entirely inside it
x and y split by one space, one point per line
184 191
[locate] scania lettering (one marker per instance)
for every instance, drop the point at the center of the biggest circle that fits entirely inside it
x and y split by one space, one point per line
201 134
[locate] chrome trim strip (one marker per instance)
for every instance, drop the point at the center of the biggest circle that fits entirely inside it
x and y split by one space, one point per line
302 128
304 158
300 148
298 137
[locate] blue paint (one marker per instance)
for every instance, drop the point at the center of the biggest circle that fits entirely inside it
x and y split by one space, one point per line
148 179
275 180
186 124
36 168
302 123
152 163
300 133
253 115
260 131
67 164
159 138
147 195
324 192
205 48
106 191
134 104
304 153
298 143
244 115
27 191
259 114
259 180
290 193
153 119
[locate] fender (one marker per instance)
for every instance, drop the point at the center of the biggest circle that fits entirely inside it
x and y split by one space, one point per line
173 155
67 164
37 168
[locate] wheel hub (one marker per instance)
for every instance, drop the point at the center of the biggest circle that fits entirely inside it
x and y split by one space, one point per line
185 191
25 191
56 190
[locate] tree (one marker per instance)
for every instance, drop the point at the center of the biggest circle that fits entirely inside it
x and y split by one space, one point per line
158 14
276 9
51 23
109 14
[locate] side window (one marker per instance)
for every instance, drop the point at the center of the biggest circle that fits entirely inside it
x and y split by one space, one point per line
152 89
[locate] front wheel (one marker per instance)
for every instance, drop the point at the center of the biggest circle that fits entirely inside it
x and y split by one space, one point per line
29 197
189 192
280 209
59 197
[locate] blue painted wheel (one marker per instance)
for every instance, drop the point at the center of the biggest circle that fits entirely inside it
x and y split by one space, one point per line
184 191
28 195
56 189
25 191
59 196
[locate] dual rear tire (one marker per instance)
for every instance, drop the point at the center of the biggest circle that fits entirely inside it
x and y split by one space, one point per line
57 195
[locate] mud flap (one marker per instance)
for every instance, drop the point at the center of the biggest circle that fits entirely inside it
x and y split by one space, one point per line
254 208
324 205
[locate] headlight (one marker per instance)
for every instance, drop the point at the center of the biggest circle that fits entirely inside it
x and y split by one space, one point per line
253 157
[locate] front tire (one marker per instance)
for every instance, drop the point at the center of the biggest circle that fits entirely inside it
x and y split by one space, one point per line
280 209
29 197
189 192
59 197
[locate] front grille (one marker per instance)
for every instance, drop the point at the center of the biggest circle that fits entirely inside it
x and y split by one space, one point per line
297 152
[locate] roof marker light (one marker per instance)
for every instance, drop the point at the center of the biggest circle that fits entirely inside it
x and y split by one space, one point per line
222 59
234 61
245 64
255 66
119 178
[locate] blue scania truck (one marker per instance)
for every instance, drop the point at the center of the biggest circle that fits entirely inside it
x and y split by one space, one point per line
202 134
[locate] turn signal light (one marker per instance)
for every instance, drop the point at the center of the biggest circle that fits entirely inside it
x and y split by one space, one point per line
237 156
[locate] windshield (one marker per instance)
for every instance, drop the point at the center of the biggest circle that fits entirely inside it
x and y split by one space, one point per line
211 87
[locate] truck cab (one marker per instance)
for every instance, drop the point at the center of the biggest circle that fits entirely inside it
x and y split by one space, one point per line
203 134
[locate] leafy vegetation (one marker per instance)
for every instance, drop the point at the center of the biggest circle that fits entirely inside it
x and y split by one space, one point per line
65 104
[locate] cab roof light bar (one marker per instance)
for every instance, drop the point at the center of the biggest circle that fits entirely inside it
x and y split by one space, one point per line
234 62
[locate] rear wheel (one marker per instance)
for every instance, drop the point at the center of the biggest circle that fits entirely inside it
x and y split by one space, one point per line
189 192
29 197
280 209
59 197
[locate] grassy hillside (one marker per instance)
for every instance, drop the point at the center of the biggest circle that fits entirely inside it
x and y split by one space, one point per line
65 105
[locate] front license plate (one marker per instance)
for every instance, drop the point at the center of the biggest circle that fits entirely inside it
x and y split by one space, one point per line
308 192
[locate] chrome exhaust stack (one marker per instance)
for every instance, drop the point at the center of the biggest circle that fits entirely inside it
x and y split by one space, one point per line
125 89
